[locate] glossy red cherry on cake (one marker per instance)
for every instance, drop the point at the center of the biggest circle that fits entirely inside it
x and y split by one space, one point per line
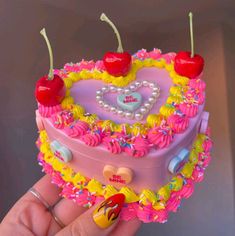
117 63
50 92
188 66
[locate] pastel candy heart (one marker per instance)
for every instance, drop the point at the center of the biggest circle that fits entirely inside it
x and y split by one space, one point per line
60 152
117 176
177 163
204 122
129 102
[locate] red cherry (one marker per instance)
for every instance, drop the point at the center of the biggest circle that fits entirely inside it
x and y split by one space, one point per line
50 92
188 66
117 63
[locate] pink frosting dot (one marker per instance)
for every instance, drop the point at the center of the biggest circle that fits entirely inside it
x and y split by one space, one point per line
129 211
48 111
91 139
169 57
114 143
57 179
190 110
178 123
155 53
145 213
197 84
62 119
207 145
174 202
160 136
76 129
198 174
187 189
138 148
160 216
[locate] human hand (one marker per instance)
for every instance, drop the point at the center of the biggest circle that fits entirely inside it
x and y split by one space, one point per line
48 214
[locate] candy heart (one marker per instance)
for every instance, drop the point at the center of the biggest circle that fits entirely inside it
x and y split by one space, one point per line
129 102
117 176
177 163
60 152
204 122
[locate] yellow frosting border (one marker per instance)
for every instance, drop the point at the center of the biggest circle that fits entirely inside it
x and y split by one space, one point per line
157 198
180 85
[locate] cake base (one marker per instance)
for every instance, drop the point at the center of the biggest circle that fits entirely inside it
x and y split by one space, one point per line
149 205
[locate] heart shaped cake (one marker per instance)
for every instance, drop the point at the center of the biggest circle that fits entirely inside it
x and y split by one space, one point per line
144 134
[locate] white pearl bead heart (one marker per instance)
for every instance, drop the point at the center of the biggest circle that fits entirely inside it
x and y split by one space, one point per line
144 109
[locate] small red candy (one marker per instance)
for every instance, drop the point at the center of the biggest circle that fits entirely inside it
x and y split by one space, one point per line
188 66
117 64
50 92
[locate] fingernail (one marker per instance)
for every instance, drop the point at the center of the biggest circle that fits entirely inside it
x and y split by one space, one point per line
108 211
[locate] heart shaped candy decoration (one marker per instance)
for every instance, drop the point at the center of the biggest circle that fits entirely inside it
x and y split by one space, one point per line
60 152
177 163
117 176
129 100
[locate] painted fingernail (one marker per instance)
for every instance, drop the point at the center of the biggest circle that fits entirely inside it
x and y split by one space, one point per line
108 211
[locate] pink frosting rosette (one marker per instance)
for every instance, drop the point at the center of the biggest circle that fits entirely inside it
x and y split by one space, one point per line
197 95
48 111
207 145
129 211
138 148
57 179
187 189
145 213
62 119
85 198
76 129
48 169
169 57
99 65
204 159
141 54
173 202
160 216
160 136
114 143
189 109
69 191
178 123
197 84
83 65
155 53
198 174
92 139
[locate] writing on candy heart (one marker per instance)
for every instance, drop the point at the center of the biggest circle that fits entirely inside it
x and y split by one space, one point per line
130 99
117 176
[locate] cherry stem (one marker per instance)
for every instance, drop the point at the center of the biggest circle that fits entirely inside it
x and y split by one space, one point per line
103 17
44 34
191 33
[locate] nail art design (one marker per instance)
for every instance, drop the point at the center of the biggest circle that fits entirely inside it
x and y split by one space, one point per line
108 211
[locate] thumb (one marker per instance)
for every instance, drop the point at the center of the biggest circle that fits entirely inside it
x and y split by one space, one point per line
98 220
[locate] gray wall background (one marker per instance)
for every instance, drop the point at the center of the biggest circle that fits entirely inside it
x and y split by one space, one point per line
76 33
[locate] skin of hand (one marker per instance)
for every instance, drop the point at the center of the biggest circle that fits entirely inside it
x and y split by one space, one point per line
30 217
